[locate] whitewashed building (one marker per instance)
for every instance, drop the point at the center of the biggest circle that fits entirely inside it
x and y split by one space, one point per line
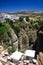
29 54
16 55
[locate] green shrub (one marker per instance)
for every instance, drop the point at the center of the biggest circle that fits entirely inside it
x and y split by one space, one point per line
11 49
17 30
27 18
21 18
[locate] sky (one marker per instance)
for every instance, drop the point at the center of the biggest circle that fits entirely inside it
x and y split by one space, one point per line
18 5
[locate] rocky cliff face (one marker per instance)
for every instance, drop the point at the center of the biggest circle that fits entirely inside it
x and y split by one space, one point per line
26 36
32 34
23 40
14 39
26 39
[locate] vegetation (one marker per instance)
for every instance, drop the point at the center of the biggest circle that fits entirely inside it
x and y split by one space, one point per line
21 18
15 28
3 32
21 29
27 18
11 49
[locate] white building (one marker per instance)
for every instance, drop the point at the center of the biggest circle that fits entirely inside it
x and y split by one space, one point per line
14 17
30 53
16 55
5 15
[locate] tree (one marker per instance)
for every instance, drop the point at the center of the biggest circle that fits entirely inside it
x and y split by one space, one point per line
7 19
35 26
3 32
21 18
0 24
11 49
17 30
27 18
40 23
31 22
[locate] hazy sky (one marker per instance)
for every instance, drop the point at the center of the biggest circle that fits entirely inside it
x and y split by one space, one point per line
17 5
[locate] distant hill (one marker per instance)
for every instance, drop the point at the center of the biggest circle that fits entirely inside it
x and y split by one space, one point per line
25 12
29 12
